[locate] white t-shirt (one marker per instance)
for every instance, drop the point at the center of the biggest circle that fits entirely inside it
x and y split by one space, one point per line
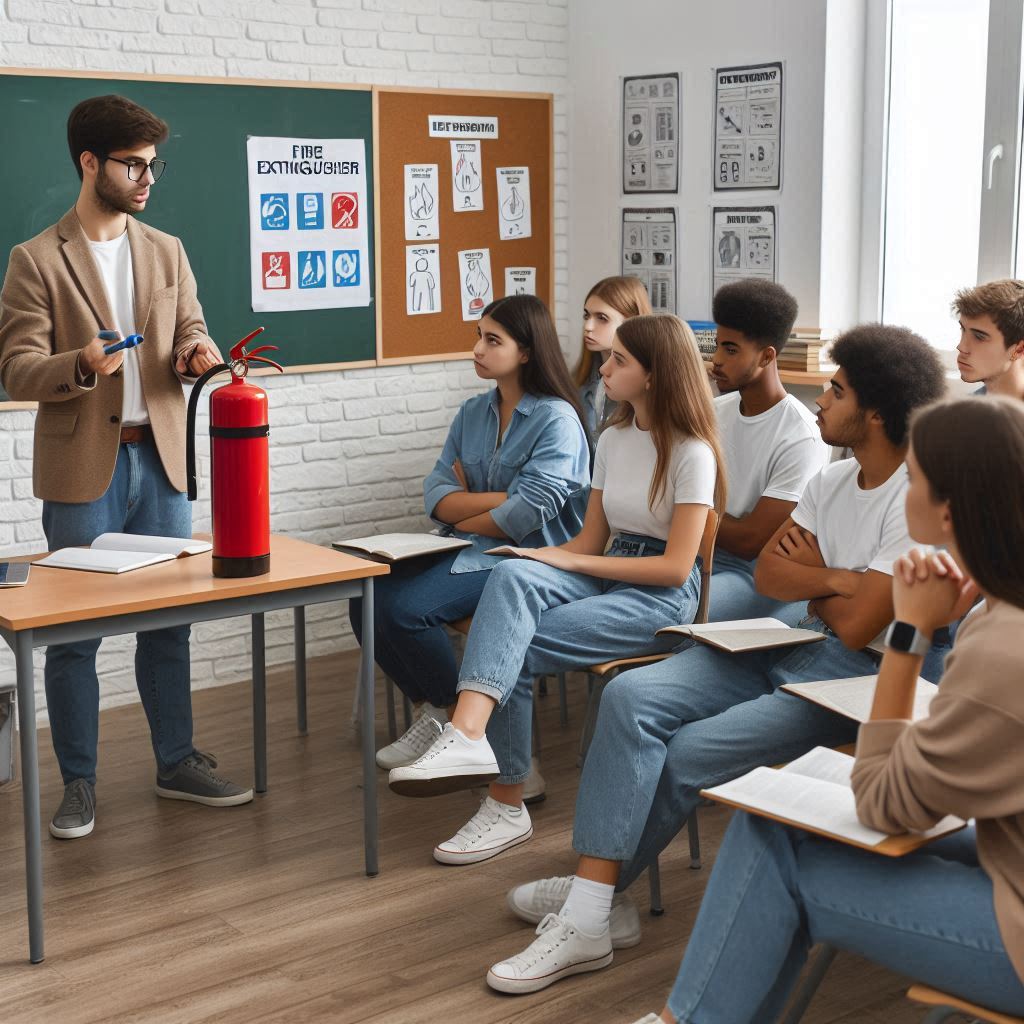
114 259
623 469
856 529
771 455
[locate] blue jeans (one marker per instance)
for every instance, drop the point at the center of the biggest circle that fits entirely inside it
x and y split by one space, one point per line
698 719
533 619
775 891
734 596
411 607
140 499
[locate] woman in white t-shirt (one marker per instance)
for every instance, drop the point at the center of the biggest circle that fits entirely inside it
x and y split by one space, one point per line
658 469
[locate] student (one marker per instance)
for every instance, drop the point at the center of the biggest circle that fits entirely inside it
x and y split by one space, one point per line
702 717
991 349
110 431
771 443
656 474
951 914
515 466
608 303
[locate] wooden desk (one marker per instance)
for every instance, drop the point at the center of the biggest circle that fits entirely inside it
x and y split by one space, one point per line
63 606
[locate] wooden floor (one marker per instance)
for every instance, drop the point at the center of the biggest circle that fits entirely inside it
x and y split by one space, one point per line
172 912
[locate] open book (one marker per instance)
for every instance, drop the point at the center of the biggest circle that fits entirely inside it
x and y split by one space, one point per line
122 552
854 697
739 635
394 547
812 792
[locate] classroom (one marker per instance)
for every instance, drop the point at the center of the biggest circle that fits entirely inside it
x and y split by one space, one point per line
510 511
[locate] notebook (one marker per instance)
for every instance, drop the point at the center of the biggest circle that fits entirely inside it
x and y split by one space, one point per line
123 552
853 697
739 635
14 574
396 547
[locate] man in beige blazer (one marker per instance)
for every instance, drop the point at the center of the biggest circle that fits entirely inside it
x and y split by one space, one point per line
110 431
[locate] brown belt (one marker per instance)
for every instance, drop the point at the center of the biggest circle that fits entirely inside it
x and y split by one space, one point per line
136 435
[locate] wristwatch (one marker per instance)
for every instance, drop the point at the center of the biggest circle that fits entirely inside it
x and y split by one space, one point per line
902 636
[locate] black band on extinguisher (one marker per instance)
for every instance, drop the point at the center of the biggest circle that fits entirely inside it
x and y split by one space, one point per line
190 427
261 431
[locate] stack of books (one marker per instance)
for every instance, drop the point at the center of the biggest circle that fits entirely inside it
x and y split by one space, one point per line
801 353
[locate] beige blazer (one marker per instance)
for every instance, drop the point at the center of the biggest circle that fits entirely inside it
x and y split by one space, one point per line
53 303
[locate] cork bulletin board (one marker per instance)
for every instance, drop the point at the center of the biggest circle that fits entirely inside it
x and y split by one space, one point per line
424 288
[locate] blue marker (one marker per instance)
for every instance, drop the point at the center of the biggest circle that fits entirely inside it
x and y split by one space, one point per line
130 342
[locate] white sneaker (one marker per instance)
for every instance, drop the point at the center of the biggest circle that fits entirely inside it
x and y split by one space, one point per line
452 762
651 1018
533 902
415 741
559 950
492 830
535 786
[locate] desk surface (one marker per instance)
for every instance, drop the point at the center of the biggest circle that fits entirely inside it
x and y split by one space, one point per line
55 596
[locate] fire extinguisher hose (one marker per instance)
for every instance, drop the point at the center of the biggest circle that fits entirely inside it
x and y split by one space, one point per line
190 427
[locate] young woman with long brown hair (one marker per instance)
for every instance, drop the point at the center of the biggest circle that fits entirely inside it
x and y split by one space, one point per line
657 471
608 303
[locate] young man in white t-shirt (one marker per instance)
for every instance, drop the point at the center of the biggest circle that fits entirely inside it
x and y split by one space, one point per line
991 349
703 716
771 443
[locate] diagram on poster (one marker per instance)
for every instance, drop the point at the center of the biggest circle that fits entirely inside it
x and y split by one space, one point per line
467 183
514 203
650 133
743 244
520 280
475 281
649 252
308 238
748 127
421 209
423 279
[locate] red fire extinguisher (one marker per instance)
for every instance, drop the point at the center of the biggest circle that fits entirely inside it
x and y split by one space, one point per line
240 451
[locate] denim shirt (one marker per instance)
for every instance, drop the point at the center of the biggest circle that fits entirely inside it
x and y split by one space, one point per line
543 464
588 399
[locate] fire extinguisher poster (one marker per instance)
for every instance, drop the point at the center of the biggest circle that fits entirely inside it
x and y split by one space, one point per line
308 224
748 127
475 281
421 210
743 244
467 176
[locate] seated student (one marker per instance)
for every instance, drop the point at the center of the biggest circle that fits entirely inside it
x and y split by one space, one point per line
703 717
608 303
991 349
770 441
951 914
515 466
656 474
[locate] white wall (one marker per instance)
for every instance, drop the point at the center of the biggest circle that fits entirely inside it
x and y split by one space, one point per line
352 466
612 38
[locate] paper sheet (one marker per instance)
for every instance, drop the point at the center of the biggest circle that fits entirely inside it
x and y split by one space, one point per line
422 279
520 280
743 244
467 180
853 697
650 133
475 281
649 249
748 127
421 202
514 219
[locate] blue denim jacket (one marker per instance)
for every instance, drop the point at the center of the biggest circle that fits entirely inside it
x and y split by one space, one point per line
543 464
588 399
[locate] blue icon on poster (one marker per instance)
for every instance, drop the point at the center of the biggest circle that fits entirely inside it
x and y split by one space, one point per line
346 268
309 211
274 211
312 268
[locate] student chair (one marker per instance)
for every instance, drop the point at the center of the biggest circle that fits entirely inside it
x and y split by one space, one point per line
947 1008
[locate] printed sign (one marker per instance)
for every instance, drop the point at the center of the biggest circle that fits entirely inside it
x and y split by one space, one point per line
467 183
650 133
649 252
421 206
475 282
520 280
423 279
514 203
743 244
748 127
449 126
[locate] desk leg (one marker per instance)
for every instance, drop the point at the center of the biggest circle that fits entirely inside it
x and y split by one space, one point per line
369 764
300 670
30 793
259 703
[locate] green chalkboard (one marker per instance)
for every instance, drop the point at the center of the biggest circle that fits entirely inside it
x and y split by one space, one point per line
203 196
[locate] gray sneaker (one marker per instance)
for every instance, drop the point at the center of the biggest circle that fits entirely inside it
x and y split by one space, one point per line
193 779
76 815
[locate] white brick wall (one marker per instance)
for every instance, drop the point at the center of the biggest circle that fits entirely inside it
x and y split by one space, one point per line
350 448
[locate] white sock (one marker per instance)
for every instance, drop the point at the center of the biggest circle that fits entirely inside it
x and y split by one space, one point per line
469 739
589 905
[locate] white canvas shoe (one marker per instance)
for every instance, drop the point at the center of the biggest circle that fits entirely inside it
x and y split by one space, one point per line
559 951
494 829
533 901
415 741
452 762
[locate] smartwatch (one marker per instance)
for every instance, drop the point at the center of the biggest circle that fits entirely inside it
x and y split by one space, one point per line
908 639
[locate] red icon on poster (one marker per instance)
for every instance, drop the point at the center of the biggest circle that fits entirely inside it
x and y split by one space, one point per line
276 270
345 210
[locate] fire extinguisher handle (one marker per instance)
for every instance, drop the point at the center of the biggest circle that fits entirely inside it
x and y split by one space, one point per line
190 427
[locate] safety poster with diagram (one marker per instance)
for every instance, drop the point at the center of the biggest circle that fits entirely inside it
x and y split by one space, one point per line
650 133
649 252
743 240
748 127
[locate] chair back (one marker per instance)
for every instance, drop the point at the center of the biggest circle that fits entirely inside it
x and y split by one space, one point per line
706 551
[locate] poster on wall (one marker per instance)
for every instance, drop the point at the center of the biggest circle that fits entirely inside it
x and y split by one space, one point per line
421 206
743 244
423 279
748 127
650 133
514 219
649 252
520 280
475 282
308 239
467 182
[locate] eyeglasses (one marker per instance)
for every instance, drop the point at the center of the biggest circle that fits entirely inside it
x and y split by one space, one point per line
137 168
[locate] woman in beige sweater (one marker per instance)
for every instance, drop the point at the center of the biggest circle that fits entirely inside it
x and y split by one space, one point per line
951 914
